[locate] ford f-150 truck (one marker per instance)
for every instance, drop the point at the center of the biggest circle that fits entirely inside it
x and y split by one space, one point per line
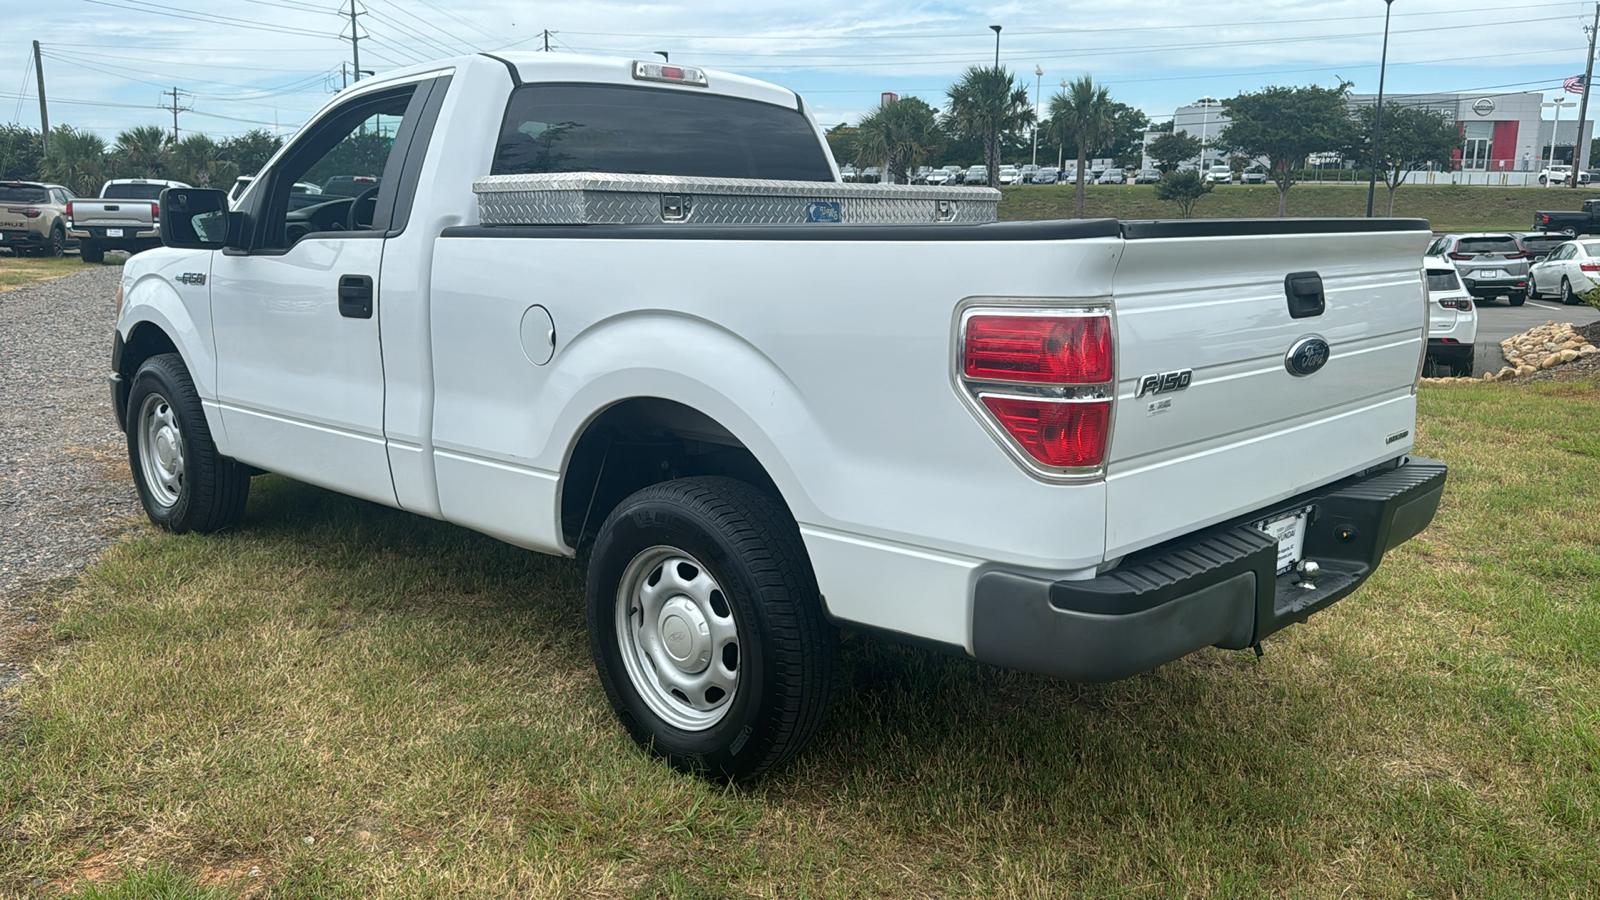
628 310
126 216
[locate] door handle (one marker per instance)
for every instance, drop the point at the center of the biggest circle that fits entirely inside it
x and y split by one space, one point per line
355 296
1304 290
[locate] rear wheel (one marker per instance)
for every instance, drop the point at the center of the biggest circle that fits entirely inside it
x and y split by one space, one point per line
1462 368
1568 298
707 627
56 244
92 253
184 483
1518 299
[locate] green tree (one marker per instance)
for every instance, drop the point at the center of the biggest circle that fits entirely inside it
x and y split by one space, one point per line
1126 143
988 102
197 159
1086 115
21 153
1183 188
1285 125
141 153
902 135
251 150
77 160
842 142
1171 149
1412 138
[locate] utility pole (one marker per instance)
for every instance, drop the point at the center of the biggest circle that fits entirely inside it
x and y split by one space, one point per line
44 112
175 109
547 41
1583 106
1377 119
355 41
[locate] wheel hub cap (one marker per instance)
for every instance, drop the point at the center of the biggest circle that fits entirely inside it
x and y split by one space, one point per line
678 638
685 635
160 450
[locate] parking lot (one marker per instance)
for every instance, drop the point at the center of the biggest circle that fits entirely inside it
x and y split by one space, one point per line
1498 320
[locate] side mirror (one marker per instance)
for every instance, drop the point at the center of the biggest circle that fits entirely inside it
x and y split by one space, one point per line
194 218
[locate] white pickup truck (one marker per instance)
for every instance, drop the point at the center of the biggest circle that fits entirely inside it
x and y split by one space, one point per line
1093 448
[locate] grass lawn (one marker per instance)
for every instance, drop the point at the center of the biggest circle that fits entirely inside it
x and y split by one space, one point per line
1447 207
16 271
343 700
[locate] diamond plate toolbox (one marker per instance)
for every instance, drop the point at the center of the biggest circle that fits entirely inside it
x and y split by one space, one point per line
594 198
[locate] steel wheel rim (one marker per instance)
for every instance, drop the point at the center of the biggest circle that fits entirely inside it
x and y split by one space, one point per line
1566 292
678 638
161 459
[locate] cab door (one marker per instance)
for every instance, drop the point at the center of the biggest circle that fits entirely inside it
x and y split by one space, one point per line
295 313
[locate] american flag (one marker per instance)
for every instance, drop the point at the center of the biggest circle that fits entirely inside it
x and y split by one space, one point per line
1574 85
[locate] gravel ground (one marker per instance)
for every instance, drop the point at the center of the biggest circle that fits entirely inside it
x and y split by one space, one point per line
64 485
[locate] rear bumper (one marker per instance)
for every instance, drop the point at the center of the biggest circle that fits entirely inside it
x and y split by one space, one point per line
1494 287
22 239
1215 587
131 235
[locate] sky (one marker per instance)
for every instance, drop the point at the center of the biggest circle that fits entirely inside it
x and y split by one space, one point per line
244 64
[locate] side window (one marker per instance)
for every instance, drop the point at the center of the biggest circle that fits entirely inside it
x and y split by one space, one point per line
1435 248
340 175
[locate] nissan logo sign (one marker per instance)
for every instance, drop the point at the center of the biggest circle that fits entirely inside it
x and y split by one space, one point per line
1308 355
1483 106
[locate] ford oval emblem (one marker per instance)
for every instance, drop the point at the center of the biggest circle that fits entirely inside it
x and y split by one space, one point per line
1307 356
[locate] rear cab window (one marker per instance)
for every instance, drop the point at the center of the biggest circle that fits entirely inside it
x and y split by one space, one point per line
132 192
552 128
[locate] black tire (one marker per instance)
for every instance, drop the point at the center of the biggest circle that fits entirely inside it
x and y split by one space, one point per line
784 649
56 245
92 253
208 490
1517 299
1462 368
1543 181
1568 298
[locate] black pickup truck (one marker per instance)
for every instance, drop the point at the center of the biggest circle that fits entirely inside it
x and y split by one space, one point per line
1573 222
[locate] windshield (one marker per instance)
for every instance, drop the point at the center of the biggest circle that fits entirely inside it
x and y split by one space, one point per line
652 131
21 193
1442 280
1487 245
132 192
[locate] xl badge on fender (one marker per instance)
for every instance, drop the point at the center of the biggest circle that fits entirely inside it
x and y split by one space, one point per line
1164 382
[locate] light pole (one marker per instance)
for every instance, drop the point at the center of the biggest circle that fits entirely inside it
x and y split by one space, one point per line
1061 148
996 46
1559 104
1377 121
1038 79
1205 104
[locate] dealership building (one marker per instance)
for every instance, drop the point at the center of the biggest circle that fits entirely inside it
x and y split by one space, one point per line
1499 132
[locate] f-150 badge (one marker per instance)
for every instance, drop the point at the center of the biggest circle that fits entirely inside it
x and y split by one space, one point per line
1164 382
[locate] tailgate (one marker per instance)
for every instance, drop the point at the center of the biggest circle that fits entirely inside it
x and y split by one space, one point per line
115 213
1211 297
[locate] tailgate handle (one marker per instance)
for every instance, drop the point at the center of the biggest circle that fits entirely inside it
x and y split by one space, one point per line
355 296
1304 290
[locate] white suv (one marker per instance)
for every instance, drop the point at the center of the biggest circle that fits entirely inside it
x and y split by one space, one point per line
1452 319
1555 175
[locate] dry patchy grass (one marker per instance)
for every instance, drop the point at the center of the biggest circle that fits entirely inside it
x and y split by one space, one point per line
16 271
347 701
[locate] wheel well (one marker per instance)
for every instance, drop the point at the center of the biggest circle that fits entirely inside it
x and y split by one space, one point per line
146 340
640 442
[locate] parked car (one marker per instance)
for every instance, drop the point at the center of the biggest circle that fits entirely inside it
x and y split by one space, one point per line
1219 175
1028 171
923 172
1585 220
33 218
1559 175
1009 175
976 175
126 216
1095 171
945 175
744 462
1452 319
1112 175
1540 244
1069 175
1253 175
1491 264
1047 175
1147 176
847 173
1571 269
871 175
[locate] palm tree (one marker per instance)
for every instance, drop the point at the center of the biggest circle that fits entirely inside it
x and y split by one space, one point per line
142 152
900 134
987 103
1085 113
198 160
77 160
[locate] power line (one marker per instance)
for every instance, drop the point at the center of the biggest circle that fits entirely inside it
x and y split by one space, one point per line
208 18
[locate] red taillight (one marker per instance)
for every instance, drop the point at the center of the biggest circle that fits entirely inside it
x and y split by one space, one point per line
1544 220
1461 256
1047 349
1523 255
1460 303
1589 267
69 209
30 213
1057 433
155 210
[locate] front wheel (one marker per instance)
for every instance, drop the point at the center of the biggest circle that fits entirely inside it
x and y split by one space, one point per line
184 483
707 627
